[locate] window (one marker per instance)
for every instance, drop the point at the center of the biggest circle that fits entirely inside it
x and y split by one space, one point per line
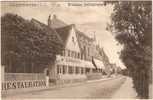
88 51
64 53
72 54
81 56
77 70
78 56
64 69
84 48
70 69
68 53
75 53
58 69
87 70
94 70
73 40
82 71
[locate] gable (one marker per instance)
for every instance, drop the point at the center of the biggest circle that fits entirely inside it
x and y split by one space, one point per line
72 41
64 33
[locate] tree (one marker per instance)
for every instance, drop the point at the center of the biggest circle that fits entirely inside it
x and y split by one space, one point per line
131 22
24 45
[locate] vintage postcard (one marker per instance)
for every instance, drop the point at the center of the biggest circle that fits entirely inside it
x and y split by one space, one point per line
76 49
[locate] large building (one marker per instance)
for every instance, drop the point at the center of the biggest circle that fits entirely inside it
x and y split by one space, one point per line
73 56
80 57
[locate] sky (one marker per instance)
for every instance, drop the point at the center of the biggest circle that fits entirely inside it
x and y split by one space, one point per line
91 19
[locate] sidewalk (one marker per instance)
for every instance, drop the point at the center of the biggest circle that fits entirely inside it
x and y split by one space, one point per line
27 90
150 91
126 91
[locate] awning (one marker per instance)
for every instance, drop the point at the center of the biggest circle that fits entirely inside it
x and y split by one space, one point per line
88 64
98 64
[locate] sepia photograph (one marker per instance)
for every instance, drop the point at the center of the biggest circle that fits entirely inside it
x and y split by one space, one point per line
76 50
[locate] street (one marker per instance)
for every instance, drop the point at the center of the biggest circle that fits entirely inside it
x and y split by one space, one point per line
97 89
126 90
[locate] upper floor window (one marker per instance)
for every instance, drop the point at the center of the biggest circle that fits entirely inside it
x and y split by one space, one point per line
75 55
63 53
78 55
69 53
73 40
88 51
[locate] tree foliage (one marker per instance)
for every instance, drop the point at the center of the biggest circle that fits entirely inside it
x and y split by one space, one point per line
132 25
24 44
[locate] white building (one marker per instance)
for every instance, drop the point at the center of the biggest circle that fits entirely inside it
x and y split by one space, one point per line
77 59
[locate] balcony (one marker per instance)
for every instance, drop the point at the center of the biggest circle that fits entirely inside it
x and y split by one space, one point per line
73 62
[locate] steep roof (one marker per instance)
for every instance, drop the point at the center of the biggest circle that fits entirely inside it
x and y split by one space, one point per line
81 34
64 32
57 23
55 37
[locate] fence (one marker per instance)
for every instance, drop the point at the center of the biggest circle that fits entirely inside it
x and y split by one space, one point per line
24 76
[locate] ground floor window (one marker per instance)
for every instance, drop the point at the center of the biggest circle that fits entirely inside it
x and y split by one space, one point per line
77 70
87 70
70 70
64 69
94 70
59 69
82 71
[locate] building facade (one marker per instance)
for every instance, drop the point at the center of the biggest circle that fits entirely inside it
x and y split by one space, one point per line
80 56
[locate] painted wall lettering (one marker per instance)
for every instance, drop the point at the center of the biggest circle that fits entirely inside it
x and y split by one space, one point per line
22 84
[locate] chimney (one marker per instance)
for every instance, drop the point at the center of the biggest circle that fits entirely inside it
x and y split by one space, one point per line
49 21
73 25
54 16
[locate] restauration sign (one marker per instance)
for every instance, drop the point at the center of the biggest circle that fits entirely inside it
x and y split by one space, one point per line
22 84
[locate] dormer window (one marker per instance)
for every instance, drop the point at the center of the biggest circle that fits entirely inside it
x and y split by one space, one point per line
73 40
